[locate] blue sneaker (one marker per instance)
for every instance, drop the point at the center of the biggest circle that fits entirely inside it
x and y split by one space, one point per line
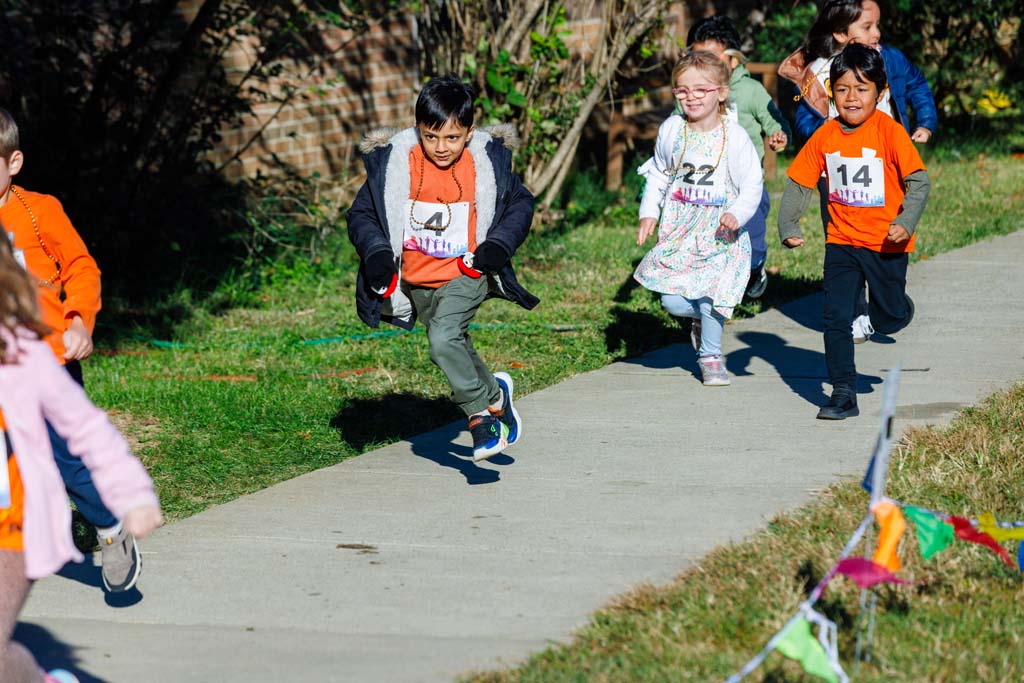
508 414
60 676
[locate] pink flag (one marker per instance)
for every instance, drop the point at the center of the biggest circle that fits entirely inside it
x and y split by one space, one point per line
865 572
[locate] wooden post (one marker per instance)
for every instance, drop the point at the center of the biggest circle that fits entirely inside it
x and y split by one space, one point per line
616 151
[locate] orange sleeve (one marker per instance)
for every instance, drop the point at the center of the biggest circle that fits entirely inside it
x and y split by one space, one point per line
905 156
79 274
809 163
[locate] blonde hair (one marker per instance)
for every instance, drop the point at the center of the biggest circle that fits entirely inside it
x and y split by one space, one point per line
708 63
8 134
18 307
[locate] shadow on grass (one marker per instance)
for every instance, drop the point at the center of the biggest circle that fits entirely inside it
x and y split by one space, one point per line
50 652
430 424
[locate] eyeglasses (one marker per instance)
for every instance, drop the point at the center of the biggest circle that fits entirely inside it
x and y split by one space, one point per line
697 93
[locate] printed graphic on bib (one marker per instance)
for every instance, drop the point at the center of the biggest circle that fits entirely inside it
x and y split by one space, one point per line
5 481
438 230
19 254
856 181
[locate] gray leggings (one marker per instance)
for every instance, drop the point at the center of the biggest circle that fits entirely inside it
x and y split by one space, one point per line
16 663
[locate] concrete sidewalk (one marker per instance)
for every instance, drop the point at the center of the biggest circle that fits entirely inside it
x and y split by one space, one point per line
411 563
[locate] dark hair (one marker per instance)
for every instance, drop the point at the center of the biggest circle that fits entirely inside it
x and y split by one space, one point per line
8 134
444 98
863 61
718 28
835 16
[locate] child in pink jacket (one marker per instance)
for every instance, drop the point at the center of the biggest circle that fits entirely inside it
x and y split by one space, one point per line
35 540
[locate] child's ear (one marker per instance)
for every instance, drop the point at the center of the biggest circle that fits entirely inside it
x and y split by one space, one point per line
16 161
878 100
469 135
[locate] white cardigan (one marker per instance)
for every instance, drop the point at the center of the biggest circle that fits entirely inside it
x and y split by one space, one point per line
744 167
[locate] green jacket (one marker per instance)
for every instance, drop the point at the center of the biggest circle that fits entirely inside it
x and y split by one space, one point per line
757 112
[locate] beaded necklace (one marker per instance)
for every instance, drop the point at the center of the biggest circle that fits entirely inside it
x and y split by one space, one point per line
447 204
682 155
42 243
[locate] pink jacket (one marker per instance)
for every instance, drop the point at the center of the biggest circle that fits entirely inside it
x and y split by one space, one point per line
33 386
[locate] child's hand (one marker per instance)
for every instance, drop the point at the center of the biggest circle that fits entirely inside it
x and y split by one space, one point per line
77 340
793 242
777 141
647 226
143 520
921 135
897 234
728 228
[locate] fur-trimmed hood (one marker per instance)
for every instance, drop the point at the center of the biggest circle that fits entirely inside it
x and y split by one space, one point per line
381 137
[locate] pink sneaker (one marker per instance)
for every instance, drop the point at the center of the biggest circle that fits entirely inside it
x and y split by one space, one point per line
60 676
712 371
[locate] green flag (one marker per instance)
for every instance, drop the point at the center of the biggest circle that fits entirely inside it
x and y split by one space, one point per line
933 534
798 643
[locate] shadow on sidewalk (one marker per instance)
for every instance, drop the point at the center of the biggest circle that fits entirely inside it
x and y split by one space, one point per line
802 370
50 652
367 423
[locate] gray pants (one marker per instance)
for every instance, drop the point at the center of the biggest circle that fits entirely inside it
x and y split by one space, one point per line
446 313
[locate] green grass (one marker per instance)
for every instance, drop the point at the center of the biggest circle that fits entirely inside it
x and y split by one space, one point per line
958 620
243 403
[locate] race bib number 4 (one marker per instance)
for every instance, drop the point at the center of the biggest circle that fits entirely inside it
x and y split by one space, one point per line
855 181
438 230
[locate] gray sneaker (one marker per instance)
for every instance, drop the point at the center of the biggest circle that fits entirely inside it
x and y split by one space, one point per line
122 562
713 372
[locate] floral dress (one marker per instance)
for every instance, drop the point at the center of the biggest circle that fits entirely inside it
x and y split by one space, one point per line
689 260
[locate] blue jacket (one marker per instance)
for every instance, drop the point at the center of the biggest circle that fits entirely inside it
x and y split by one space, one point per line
504 214
906 84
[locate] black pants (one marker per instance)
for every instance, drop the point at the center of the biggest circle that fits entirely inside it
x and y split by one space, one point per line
862 295
847 269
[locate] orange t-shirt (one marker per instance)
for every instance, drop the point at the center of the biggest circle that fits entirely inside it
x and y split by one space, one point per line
12 501
79 276
865 176
430 252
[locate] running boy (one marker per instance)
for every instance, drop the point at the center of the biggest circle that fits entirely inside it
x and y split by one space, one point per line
68 281
752 107
877 190
441 207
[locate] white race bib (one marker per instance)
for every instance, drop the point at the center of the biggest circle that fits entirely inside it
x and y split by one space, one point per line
19 254
5 483
438 230
856 181
700 183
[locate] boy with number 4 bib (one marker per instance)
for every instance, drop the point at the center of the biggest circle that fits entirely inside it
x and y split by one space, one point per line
877 190
435 226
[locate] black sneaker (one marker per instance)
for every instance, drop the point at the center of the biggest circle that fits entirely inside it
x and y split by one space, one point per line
842 405
910 306
490 436
757 283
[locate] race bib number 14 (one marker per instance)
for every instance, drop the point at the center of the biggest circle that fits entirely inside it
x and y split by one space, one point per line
855 181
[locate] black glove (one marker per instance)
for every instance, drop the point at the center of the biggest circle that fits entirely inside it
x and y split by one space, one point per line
380 270
490 257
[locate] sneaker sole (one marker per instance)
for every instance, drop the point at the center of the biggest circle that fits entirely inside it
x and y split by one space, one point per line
717 383
507 379
132 578
859 340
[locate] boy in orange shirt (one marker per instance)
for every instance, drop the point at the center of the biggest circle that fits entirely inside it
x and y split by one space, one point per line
48 247
435 225
878 188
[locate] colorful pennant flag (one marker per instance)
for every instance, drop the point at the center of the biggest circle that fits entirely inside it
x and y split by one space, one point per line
892 526
865 572
796 642
966 531
988 524
933 534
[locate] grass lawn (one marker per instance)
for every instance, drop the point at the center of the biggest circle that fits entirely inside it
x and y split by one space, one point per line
958 619
249 397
